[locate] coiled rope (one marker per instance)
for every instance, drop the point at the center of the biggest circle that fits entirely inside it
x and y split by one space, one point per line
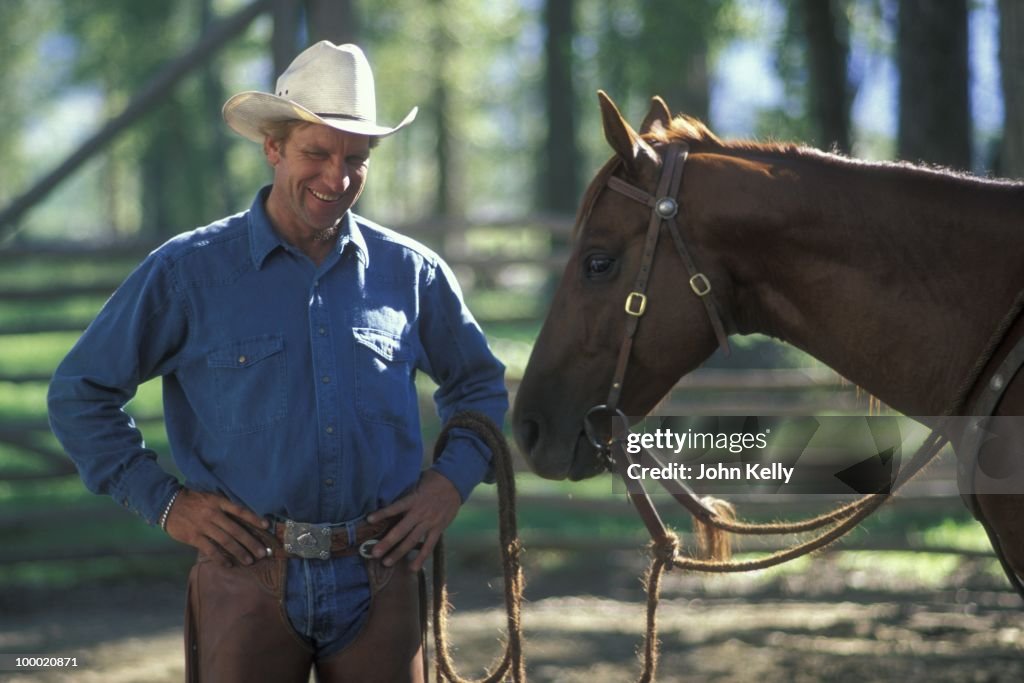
511 662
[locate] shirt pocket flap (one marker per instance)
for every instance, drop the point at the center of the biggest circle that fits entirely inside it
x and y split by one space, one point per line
246 352
384 344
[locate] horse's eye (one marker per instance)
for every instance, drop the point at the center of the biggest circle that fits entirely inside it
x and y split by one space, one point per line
599 265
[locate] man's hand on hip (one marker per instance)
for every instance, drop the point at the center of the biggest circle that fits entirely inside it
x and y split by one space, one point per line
204 521
425 513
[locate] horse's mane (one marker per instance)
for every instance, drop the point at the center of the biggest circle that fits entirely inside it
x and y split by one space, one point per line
700 138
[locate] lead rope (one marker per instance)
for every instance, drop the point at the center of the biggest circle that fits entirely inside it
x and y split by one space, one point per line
665 552
512 661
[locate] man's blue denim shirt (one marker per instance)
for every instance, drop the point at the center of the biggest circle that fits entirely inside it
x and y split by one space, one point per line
287 387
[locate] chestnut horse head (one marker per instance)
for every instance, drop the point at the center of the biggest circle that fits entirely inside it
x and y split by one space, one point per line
893 275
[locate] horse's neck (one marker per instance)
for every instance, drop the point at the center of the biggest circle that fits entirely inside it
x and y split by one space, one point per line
894 278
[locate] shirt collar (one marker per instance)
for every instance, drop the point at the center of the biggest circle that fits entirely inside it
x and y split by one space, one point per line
351 232
263 239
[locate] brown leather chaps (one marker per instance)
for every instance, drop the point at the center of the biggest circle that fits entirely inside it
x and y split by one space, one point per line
237 629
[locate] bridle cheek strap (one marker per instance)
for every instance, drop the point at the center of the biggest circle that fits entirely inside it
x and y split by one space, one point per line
664 208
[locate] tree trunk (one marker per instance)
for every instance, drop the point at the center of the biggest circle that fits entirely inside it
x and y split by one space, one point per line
284 40
560 179
448 201
333 20
222 200
154 219
934 119
674 47
1011 62
827 48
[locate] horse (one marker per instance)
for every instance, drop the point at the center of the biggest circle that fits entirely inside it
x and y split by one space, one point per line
904 279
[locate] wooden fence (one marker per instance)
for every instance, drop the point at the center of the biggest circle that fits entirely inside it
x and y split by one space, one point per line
712 391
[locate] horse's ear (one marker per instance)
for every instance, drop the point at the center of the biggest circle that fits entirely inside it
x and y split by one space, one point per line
658 114
634 152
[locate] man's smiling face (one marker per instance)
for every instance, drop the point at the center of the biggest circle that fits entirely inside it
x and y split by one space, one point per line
319 173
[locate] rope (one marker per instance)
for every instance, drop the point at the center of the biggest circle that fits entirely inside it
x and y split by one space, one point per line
803 526
855 508
844 518
665 553
857 513
511 661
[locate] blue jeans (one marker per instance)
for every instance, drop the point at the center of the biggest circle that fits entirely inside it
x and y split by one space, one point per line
328 601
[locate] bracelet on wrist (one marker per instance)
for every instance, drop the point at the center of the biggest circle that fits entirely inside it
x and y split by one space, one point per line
167 509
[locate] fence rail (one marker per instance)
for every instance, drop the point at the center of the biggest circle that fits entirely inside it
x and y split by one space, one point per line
704 392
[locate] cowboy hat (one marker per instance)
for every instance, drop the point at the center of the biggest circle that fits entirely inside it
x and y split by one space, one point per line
327 84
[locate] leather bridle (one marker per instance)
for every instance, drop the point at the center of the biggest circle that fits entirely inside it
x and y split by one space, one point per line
665 546
664 209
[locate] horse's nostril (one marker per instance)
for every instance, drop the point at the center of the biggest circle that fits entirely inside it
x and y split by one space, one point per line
527 433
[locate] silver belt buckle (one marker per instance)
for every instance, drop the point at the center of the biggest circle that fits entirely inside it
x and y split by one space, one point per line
309 541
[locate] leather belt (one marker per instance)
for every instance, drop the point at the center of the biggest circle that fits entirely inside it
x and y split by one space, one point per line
321 541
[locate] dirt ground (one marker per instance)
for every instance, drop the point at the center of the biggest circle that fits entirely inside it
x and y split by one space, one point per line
584 618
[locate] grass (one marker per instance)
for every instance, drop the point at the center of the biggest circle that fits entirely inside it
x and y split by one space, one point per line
63 509
74 310
22 401
476 525
43 271
37 353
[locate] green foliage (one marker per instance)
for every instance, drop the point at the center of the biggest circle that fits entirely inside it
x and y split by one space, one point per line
636 49
467 50
34 352
475 70
23 24
165 175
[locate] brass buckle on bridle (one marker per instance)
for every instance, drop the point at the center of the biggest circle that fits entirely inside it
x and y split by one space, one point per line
700 284
641 304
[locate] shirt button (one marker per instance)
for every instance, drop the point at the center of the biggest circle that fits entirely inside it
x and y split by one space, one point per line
330 430
329 482
323 331
325 379
241 360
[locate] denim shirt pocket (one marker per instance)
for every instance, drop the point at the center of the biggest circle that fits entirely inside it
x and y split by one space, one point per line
249 380
384 390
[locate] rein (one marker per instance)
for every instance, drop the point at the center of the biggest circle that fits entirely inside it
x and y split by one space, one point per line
838 522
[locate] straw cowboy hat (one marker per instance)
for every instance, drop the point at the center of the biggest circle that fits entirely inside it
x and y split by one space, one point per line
327 84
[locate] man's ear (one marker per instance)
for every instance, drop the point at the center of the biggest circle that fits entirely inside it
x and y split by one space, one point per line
658 115
636 154
272 150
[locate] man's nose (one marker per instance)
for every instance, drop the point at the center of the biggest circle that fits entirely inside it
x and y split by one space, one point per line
337 177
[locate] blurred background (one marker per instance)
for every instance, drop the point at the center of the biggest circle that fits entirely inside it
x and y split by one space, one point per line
112 142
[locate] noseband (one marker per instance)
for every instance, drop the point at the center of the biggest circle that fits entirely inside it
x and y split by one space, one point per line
664 208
